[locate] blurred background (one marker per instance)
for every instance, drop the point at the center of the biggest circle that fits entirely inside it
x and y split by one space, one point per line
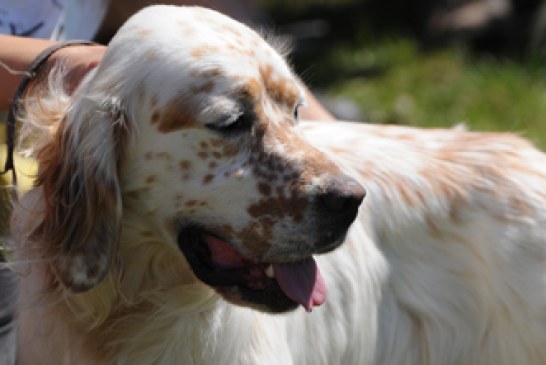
431 63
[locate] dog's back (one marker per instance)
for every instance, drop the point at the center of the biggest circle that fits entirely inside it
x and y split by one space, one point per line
453 241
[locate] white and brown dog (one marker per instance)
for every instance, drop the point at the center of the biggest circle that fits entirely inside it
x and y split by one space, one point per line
179 203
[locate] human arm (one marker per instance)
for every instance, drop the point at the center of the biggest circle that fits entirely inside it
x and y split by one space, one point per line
314 109
17 53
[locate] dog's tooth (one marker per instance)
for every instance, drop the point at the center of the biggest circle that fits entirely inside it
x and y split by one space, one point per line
269 272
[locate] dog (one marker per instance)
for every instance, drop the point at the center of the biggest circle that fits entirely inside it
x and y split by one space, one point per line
183 215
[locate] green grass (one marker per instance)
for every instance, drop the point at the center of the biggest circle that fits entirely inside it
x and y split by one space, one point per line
405 85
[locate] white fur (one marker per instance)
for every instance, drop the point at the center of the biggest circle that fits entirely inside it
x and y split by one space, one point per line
445 264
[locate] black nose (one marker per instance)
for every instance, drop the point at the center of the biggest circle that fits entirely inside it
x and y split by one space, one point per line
343 197
337 208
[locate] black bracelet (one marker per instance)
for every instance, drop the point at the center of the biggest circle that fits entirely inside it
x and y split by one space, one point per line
32 71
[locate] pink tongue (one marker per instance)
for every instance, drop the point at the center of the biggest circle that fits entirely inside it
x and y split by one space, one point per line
301 281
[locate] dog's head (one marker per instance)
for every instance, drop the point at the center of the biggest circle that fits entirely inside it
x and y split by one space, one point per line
191 119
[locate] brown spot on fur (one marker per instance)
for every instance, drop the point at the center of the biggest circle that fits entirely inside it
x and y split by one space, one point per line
454 209
405 193
186 31
235 49
216 142
251 89
151 55
184 164
228 28
150 179
278 207
203 155
258 235
176 115
213 164
520 206
281 90
199 52
155 117
433 228
208 178
210 73
264 189
144 33
230 150
204 88
226 231
269 166
267 228
191 203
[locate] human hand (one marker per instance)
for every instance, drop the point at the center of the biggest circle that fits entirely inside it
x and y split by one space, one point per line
18 53
78 60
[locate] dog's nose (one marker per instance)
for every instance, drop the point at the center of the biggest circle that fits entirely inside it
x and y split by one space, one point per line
337 209
343 196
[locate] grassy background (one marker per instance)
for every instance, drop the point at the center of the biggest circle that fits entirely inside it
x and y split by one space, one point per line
394 79
444 87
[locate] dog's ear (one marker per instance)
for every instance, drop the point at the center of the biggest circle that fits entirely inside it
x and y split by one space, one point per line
78 174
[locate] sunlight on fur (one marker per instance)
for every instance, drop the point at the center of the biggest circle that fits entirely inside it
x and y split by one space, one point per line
183 215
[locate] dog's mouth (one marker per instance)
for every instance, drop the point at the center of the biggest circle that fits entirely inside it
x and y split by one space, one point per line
269 286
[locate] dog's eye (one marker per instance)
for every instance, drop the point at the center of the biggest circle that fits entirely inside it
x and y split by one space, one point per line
234 124
297 112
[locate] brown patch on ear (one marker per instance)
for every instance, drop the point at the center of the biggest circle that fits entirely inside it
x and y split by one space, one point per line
81 218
